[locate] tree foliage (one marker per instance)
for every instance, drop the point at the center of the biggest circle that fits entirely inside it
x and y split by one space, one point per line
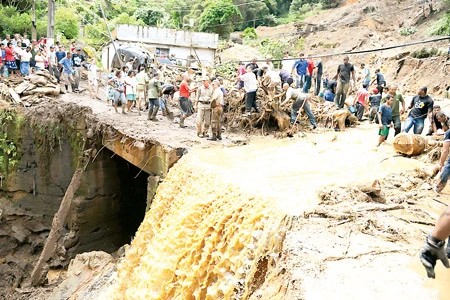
67 23
218 17
149 15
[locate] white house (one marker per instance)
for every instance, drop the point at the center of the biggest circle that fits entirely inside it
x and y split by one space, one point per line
185 46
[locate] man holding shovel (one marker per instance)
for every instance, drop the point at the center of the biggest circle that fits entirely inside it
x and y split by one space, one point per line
300 102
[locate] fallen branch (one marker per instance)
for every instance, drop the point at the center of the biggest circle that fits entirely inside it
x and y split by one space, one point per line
375 252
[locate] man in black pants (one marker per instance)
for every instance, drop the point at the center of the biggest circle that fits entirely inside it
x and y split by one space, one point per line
381 83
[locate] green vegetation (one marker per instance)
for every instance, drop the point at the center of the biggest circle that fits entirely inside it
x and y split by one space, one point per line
427 52
405 31
274 49
219 17
10 139
250 33
442 26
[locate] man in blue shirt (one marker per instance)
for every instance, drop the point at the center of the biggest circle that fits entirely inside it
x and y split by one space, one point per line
66 65
60 54
299 69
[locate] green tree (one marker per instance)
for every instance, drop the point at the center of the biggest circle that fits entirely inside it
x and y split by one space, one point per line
149 15
218 17
67 23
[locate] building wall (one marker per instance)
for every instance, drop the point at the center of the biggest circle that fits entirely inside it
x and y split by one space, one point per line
172 37
182 53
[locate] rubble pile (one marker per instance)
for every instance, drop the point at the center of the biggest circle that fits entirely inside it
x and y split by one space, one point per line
29 90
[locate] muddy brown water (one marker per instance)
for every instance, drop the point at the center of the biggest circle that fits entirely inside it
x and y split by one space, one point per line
283 176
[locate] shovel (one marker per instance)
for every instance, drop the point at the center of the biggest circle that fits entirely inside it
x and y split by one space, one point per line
295 122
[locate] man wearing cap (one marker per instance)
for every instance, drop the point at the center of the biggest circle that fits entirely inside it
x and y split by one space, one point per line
66 65
396 110
203 107
77 60
343 81
217 104
154 92
53 63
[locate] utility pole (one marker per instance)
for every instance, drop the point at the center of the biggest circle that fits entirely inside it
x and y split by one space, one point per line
51 22
33 22
110 36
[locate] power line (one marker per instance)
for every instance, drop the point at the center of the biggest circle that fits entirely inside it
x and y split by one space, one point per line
355 52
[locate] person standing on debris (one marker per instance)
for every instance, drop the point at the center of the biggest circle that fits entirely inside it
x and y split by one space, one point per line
381 83
342 78
250 87
375 101
118 86
217 104
25 58
77 60
396 110
365 75
203 107
309 74
300 100
299 69
317 75
421 106
385 119
361 101
66 65
131 84
142 81
53 63
241 71
154 92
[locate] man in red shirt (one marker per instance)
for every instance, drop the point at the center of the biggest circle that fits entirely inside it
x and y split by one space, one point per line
309 72
361 101
185 103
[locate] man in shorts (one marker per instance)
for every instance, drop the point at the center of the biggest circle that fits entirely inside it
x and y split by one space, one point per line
185 103
385 119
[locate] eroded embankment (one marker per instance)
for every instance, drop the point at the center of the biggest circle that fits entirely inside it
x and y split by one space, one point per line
40 150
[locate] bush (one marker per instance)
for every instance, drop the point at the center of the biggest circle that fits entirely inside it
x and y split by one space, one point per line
250 33
274 49
407 31
427 52
441 27
67 23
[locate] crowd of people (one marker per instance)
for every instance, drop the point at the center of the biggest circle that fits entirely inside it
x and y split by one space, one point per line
21 57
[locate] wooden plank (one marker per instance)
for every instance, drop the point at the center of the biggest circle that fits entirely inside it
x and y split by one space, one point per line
14 95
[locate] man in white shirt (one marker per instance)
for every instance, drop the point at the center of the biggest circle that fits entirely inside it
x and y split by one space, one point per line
288 62
53 63
25 57
250 87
